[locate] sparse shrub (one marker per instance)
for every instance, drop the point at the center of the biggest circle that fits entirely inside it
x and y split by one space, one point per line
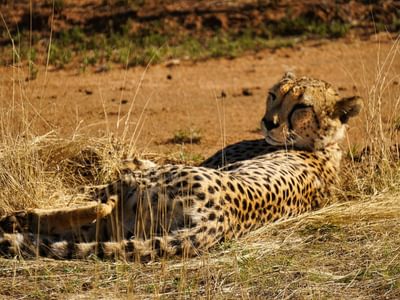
190 136
59 5
32 68
303 26
59 56
189 158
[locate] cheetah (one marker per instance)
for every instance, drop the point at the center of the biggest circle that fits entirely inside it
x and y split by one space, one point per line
168 210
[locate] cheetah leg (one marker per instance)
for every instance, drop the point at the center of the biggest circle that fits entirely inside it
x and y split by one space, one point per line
56 221
138 164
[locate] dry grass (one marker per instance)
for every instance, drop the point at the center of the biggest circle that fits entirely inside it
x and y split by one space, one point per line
350 249
347 250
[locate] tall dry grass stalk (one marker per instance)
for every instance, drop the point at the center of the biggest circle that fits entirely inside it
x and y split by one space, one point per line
374 167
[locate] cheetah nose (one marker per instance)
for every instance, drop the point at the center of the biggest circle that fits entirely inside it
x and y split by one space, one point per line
269 125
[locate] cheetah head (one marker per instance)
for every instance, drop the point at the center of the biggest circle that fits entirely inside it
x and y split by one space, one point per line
306 113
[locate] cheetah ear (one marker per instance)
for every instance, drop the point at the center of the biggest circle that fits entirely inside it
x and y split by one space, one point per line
289 76
346 108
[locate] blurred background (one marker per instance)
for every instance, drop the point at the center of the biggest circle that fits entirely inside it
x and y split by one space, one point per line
131 32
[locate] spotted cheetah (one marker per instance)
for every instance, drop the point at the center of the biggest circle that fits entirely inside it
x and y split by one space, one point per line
161 211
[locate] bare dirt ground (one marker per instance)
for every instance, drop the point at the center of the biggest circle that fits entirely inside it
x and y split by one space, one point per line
221 100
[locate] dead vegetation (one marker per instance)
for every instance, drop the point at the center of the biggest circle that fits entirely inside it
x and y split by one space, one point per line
346 250
349 249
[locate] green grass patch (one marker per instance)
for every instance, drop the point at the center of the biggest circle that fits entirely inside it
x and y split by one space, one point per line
154 43
310 28
189 136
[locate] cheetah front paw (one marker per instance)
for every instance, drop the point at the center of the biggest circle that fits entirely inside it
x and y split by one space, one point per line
16 222
10 244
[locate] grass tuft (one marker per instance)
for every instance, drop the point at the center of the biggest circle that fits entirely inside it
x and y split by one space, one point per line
47 171
191 136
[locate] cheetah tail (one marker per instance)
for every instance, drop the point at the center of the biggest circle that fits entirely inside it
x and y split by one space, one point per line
29 246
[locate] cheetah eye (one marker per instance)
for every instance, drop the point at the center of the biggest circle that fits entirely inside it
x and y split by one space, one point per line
296 108
272 96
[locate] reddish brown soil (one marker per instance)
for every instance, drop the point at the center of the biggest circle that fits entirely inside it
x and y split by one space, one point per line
190 95
193 16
